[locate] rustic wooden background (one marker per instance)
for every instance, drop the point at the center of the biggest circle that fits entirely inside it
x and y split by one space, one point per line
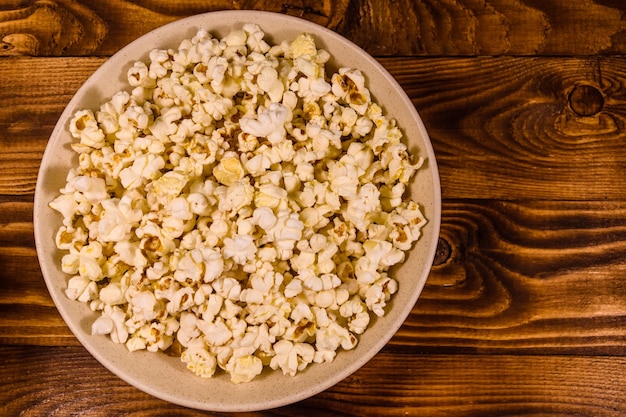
524 312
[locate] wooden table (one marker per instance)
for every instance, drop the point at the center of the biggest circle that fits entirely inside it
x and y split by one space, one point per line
524 312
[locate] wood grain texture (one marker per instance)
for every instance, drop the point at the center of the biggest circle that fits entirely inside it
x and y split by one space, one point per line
526 276
69 382
485 116
34 93
524 313
401 27
27 313
505 128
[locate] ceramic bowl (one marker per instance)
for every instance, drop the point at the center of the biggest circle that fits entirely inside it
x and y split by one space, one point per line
166 377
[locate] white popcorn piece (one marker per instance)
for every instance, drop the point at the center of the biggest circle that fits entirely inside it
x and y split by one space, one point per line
285 233
119 333
356 313
167 186
227 287
188 331
234 197
144 305
69 238
244 369
213 264
144 167
158 63
293 288
264 217
103 325
87 262
270 195
155 337
229 170
130 253
377 295
67 205
113 294
268 123
365 204
344 177
269 82
303 44
94 189
349 85
117 220
240 248
239 201
81 289
292 357
138 75
329 339
181 300
200 361
382 253
84 126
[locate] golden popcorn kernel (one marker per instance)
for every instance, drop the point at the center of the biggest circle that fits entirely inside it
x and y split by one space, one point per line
229 171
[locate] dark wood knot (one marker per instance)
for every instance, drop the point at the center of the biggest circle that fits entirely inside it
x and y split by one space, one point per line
444 250
586 100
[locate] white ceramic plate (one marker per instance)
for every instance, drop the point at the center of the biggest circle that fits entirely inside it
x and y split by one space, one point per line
167 377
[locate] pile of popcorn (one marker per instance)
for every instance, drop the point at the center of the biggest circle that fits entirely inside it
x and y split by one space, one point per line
237 206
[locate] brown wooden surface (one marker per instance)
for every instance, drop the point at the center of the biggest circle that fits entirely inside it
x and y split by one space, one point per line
524 312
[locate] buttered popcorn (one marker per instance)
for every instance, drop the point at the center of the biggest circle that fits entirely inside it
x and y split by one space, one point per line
237 205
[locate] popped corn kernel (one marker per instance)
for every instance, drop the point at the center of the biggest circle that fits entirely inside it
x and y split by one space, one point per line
200 361
244 369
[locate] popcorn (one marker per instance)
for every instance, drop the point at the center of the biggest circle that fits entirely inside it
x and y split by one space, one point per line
67 205
118 331
117 219
330 338
234 197
269 82
304 44
239 202
269 123
166 187
138 75
82 289
377 295
349 85
112 294
244 369
240 248
229 170
87 262
145 167
101 326
199 361
93 189
85 127
291 357
356 313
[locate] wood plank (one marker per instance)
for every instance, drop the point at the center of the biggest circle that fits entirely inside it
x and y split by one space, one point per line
34 325
67 381
403 27
529 277
484 116
517 128
34 93
533 277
